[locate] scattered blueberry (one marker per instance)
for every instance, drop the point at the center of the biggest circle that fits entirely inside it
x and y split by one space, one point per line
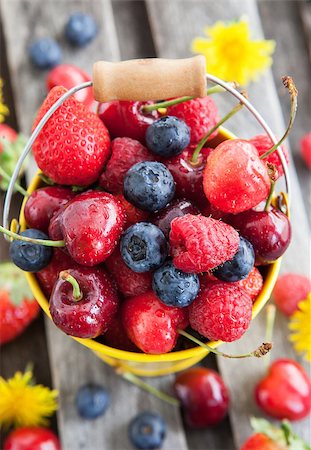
175 287
92 401
147 431
143 247
149 186
45 53
80 29
239 266
168 136
30 257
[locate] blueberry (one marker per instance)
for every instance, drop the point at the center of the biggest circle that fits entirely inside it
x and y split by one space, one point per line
45 53
168 136
239 266
147 431
80 29
30 257
143 247
92 401
175 287
149 186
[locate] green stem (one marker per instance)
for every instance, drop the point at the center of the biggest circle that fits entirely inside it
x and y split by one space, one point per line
45 242
147 387
262 350
212 130
19 188
289 84
270 319
76 291
269 199
149 108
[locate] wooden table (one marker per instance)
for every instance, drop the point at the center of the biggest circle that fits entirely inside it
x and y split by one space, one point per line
133 29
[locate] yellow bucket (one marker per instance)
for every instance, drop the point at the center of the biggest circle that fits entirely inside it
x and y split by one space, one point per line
140 363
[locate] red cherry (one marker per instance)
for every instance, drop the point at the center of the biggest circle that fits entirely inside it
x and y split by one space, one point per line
126 119
268 231
69 76
54 231
150 324
203 395
91 315
32 438
188 176
178 208
285 392
92 224
305 149
235 179
43 203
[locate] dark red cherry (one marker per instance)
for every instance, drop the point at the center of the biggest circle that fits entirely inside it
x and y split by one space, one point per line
116 336
268 231
54 231
43 203
204 396
87 315
189 176
177 208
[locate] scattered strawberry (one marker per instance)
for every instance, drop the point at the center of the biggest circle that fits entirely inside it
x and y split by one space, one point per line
125 152
200 243
74 144
260 441
128 282
305 149
289 290
69 76
200 114
6 133
263 143
150 324
285 392
18 308
221 311
126 119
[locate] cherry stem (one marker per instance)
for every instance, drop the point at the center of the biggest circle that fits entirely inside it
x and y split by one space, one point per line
270 319
262 350
19 188
147 387
289 84
149 108
270 197
76 291
45 242
202 142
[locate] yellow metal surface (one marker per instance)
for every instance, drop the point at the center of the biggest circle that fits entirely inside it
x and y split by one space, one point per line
140 363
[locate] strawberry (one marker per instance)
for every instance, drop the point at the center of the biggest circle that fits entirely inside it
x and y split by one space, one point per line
17 306
11 146
74 145
133 214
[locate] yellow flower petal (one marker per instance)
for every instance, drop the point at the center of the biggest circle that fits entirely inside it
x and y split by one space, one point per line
25 404
300 327
231 54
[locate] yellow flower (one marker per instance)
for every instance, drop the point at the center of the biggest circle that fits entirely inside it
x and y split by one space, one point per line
231 54
300 325
24 404
4 110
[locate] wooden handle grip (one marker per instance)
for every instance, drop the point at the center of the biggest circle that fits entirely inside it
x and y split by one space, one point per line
149 79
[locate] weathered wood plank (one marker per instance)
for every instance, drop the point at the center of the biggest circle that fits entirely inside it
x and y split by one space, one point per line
73 365
305 13
174 25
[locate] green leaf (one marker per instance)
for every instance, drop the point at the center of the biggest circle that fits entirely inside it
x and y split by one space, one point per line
12 280
9 157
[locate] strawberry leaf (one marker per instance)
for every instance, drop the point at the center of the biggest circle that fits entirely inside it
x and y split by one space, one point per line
9 157
13 281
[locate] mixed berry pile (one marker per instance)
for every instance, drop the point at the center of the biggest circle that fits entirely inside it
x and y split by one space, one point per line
145 231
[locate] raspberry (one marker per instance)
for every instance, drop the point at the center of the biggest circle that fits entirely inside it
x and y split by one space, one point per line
289 290
263 143
252 285
128 282
200 243
125 152
221 311
200 114
133 214
305 149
